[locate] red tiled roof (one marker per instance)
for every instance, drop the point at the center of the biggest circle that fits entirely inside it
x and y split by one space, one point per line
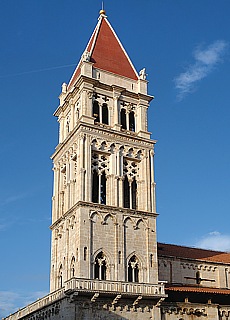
192 253
198 289
107 53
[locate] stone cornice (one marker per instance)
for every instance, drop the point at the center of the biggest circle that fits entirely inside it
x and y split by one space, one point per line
101 207
103 131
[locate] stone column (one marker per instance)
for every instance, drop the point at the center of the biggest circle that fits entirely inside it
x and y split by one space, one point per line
120 191
88 156
72 115
61 128
82 168
153 199
71 179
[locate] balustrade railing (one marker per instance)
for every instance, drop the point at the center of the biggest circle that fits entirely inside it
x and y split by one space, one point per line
91 285
115 286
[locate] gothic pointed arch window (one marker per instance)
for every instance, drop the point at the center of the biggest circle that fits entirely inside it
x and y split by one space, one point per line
95 189
123 119
60 277
72 267
126 193
99 168
130 185
96 112
105 114
133 269
131 121
134 193
100 266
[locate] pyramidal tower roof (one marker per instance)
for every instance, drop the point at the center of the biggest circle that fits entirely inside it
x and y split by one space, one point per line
106 52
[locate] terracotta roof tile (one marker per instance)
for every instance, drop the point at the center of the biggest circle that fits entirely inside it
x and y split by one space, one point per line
197 289
107 53
192 253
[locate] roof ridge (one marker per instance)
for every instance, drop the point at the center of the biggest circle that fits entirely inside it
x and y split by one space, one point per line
191 247
122 47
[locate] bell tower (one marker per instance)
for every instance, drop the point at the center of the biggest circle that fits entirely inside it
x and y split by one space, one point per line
103 205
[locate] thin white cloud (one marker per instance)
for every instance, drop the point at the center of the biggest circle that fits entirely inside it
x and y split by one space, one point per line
214 241
14 198
10 302
206 59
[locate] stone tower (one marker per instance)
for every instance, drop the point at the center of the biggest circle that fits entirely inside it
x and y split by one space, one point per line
103 210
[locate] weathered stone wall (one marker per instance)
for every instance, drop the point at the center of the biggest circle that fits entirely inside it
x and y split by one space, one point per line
178 270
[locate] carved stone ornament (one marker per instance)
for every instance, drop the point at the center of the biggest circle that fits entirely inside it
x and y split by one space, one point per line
143 74
86 56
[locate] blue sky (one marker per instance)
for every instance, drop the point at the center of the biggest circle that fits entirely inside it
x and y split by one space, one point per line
185 47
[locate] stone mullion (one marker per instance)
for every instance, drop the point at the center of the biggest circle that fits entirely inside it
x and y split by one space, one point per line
114 192
130 194
116 112
108 189
116 107
127 119
116 251
78 172
120 192
99 187
120 179
147 181
61 193
153 197
82 169
113 187
88 160
67 253
109 115
148 257
61 128
84 102
55 195
138 193
71 167
67 193
55 262
72 115
100 112
143 116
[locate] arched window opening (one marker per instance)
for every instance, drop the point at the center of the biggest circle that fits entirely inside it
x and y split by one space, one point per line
95 186
198 277
119 257
100 266
134 194
60 280
133 269
96 113
131 121
99 167
123 119
105 115
151 260
126 193
72 268
103 188
85 253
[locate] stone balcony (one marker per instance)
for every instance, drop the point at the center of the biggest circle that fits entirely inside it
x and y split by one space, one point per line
93 288
122 287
